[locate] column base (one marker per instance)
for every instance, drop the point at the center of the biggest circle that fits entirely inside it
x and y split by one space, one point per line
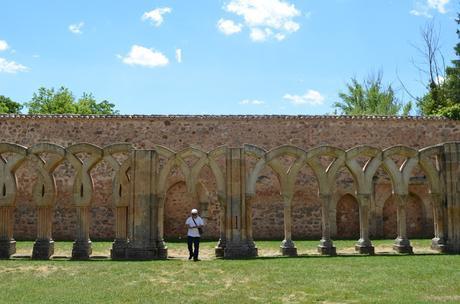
146 253
288 248
402 246
81 250
220 248
240 250
326 247
43 249
364 249
439 245
7 248
364 246
118 251
327 250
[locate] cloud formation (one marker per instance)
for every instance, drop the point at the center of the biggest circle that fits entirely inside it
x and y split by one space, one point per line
156 15
424 8
3 45
179 55
311 97
264 18
146 57
76 28
228 27
11 66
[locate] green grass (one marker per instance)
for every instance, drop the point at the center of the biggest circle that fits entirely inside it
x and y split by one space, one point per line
348 278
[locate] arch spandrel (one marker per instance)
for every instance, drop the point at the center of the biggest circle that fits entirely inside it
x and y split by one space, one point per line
121 186
8 179
400 176
363 175
44 189
430 169
83 184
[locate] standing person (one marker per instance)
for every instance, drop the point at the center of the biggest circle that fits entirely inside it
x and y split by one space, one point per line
194 223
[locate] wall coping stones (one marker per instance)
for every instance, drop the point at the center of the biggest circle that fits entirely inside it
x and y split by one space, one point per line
230 117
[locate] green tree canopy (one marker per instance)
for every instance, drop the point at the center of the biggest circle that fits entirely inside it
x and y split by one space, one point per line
9 106
62 101
371 97
443 97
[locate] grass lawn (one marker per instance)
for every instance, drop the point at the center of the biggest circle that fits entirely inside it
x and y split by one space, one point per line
425 277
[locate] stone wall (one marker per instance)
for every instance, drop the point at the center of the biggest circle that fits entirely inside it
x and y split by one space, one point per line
208 132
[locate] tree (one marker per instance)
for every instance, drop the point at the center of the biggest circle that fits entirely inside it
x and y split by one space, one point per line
62 101
371 98
9 106
443 96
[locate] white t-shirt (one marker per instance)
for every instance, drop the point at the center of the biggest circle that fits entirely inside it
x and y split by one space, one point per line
193 232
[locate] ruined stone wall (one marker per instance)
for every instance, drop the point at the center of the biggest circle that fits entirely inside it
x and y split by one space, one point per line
208 132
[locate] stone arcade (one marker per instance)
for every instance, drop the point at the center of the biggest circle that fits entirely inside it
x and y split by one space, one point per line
140 184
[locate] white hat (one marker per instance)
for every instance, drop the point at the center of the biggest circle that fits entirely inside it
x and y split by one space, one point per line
194 211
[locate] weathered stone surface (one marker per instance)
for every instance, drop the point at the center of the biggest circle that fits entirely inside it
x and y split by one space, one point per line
236 192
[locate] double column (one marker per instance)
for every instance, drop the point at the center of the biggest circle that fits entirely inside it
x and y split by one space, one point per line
326 246
145 221
364 244
238 235
402 242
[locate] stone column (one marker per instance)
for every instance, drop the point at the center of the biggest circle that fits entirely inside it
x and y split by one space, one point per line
364 244
82 246
438 242
7 243
44 244
402 243
146 210
120 243
221 244
451 162
238 245
326 246
288 247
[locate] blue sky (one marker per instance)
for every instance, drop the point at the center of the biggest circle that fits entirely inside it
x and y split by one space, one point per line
215 57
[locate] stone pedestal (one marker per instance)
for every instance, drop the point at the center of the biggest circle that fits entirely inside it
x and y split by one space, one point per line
43 249
288 248
146 253
364 247
220 248
118 251
326 248
81 250
7 248
439 245
402 246
239 250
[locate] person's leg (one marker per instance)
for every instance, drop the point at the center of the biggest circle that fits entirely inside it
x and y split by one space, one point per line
196 244
190 249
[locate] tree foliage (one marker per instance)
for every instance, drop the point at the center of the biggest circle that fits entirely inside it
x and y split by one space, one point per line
443 97
371 97
62 101
9 106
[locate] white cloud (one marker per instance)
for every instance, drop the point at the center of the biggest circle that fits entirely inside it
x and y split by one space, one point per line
252 102
179 55
11 66
142 56
228 27
3 45
424 8
259 35
156 15
311 97
266 18
76 28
